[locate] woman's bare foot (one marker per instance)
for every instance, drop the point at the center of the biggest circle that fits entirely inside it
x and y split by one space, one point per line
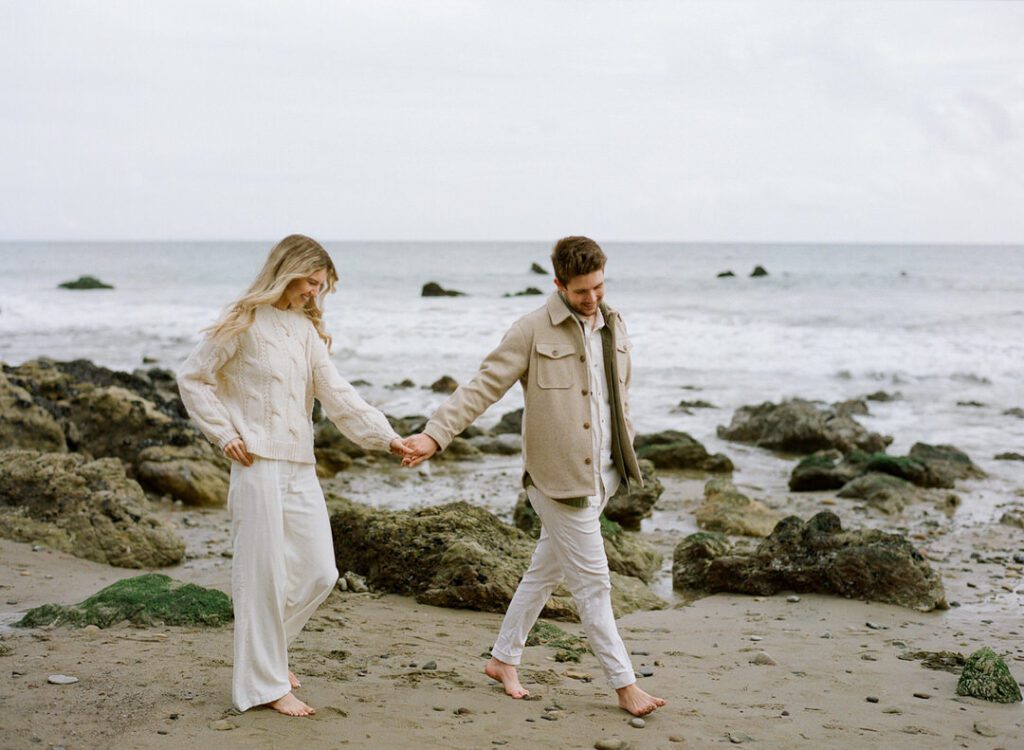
636 701
293 680
507 675
289 705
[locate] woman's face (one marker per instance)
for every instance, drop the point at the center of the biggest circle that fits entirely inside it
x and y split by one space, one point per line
300 291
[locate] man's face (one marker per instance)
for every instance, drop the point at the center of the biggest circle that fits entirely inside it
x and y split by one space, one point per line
584 293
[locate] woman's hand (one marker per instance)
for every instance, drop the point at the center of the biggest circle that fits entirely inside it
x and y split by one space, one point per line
236 451
400 449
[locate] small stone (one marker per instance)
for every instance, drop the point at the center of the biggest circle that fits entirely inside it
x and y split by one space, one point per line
756 638
533 697
61 679
91 629
793 599
356 582
342 584
737 738
876 626
785 713
37 548
922 696
162 731
572 674
222 725
462 711
439 708
550 717
892 710
174 716
640 653
637 723
872 699
985 729
430 666
762 659
676 738
646 672
611 745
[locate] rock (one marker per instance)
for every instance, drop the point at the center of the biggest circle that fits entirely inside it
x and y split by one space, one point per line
510 422
872 699
508 444
798 426
331 445
537 268
458 449
885 492
1009 457
185 473
1014 412
814 556
738 738
985 729
687 407
628 554
637 723
672 449
454 555
341 584
142 600
355 582
945 463
429 666
25 424
530 291
727 510
222 725
630 505
433 289
89 509
61 679
823 470
758 272
725 275
401 385
612 745
569 647
85 282
762 659
444 384
1013 518
792 598
851 407
883 396
986 676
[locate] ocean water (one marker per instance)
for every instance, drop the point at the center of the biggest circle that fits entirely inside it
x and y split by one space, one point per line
940 325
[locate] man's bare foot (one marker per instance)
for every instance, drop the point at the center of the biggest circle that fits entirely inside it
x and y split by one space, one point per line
293 680
507 675
636 701
289 705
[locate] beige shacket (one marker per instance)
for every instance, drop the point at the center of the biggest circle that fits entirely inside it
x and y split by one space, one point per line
260 384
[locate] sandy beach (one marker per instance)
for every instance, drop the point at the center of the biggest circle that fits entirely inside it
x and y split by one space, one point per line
838 679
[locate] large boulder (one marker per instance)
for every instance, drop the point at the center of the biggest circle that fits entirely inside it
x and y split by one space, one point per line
673 449
727 510
630 505
799 427
185 473
25 424
433 289
453 555
693 556
627 553
90 509
149 599
818 556
510 422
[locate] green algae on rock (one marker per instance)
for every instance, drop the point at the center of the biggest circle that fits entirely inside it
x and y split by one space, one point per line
986 676
569 647
143 600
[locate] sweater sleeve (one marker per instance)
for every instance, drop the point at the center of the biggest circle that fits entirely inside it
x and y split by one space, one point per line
356 419
197 383
499 371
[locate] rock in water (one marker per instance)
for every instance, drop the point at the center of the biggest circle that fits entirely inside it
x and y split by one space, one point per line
758 272
986 676
454 555
85 282
798 426
629 506
727 510
673 449
538 268
444 384
510 422
89 509
433 289
816 556
142 600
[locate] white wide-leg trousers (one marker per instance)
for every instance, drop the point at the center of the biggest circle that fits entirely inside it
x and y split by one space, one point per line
283 568
570 548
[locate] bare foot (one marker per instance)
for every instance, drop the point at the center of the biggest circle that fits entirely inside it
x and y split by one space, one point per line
507 675
289 705
636 701
293 680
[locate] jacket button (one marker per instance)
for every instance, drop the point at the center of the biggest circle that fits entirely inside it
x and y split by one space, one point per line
586 425
585 392
587 461
583 358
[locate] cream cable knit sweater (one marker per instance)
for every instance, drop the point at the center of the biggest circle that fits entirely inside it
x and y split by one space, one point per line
260 386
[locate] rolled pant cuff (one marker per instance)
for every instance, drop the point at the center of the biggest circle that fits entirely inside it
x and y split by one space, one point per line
621 680
506 658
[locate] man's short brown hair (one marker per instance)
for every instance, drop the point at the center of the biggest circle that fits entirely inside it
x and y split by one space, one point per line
576 256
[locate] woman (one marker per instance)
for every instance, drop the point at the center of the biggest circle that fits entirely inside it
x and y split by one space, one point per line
249 386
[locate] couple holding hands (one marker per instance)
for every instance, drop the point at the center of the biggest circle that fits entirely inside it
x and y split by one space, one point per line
250 384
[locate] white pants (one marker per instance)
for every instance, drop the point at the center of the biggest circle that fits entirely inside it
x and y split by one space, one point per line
570 548
283 569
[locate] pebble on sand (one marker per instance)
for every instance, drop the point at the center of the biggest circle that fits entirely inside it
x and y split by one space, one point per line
222 725
61 679
762 659
637 723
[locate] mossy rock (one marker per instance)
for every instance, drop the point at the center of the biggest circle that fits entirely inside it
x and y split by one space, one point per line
85 282
986 676
569 647
142 600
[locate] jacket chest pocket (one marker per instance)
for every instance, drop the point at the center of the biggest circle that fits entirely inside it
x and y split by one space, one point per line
555 365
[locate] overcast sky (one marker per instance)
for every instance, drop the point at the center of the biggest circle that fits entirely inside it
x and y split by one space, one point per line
747 121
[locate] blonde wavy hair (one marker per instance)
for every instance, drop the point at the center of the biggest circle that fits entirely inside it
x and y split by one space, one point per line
294 257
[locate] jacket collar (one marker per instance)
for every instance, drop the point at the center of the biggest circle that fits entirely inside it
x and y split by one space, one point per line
559 312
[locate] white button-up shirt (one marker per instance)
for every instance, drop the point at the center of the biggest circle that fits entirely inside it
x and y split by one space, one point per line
606 476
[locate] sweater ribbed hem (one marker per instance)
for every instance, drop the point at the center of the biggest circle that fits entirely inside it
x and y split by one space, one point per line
280 451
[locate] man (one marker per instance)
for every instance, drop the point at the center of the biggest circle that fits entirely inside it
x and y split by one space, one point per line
572 358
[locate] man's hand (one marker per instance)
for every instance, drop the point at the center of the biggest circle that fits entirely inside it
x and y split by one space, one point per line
236 451
422 447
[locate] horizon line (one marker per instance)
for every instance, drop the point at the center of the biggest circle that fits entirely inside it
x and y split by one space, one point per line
848 243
